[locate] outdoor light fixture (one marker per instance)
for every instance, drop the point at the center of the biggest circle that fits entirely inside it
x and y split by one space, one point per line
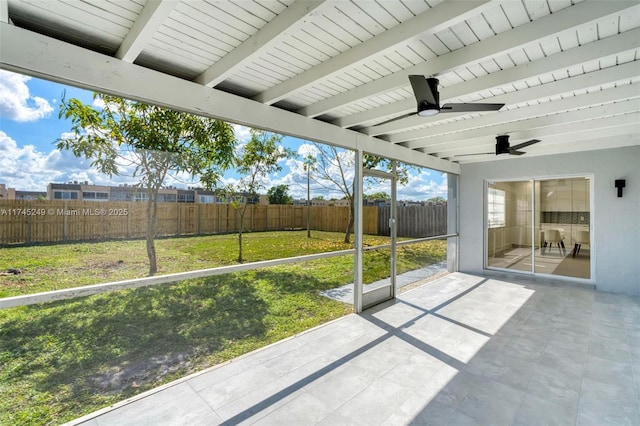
620 183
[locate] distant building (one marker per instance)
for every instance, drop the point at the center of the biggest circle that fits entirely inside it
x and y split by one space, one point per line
13 194
7 193
84 191
31 195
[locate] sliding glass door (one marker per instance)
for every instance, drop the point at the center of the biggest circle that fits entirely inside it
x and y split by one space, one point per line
540 226
509 207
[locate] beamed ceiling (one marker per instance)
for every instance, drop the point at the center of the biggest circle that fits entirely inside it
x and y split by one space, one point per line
335 71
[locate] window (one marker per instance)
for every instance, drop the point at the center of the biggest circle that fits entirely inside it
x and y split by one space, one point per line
65 195
496 208
140 196
208 199
186 197
95 196
167 198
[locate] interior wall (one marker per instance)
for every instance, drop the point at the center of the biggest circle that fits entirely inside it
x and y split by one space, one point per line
615 221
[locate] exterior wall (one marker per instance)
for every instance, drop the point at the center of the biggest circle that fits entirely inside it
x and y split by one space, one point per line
7 193
615 221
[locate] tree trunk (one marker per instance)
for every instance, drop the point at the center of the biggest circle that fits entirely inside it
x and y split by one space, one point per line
347 235
243 210
152 225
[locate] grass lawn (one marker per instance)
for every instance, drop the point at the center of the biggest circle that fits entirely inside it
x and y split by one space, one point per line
61 360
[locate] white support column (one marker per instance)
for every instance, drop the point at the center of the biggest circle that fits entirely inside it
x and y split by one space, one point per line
393 231
358 230
453 220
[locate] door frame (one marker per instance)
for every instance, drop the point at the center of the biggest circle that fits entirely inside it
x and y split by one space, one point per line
363 300
534 222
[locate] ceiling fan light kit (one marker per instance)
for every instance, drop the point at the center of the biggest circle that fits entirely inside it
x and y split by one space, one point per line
428 111
427 97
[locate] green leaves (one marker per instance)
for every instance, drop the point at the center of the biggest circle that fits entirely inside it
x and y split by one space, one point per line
153 139
279 195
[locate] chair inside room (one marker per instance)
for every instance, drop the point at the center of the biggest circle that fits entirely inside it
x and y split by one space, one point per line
551 237
581 238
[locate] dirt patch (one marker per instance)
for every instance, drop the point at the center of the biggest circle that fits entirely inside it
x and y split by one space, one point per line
420 283
133 375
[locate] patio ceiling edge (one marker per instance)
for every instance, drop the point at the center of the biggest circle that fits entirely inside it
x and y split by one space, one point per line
34 54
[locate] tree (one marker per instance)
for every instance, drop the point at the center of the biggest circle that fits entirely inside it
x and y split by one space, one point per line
279 195
255 160
309 164
437 200
381 195
153 142
335 170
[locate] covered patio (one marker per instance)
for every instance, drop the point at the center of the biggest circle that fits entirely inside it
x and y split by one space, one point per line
464 349
479 346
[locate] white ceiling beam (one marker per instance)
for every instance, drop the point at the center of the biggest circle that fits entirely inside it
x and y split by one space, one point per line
466 138
436 19
4 11
574 102
268 36
566 132
152 16
582 54
592 142
570 18
37 55
618 73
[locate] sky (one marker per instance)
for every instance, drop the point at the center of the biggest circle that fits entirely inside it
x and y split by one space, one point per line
29 159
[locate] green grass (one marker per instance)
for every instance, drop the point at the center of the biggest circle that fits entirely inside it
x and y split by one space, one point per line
54 267
61 360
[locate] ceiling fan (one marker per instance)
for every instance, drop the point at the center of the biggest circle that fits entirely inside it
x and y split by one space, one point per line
503 147
427 96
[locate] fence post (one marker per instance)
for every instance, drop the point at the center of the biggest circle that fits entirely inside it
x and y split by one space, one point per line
28 206
65 221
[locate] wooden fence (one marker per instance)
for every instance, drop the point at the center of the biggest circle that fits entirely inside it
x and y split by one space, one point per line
415 221
28 222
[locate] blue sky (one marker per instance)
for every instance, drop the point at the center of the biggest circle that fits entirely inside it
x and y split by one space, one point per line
29 160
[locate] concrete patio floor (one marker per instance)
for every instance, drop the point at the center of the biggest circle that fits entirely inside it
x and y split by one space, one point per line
461 350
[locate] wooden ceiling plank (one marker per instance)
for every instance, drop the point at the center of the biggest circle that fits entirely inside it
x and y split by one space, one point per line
267 37
560 61
500 44
153 14
434 20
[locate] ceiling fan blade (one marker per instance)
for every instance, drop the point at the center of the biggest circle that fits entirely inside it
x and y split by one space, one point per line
514 152
525 144
397 118
425 91
470 107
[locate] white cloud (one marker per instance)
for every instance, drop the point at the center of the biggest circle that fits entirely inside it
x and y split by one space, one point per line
98 102
16 103
25 168
242 133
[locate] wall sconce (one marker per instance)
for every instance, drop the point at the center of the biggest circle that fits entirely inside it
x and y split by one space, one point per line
620 183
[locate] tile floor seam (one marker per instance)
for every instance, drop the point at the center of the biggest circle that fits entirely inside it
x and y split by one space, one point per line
584 366
634 373
203 400
526 389
416 392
